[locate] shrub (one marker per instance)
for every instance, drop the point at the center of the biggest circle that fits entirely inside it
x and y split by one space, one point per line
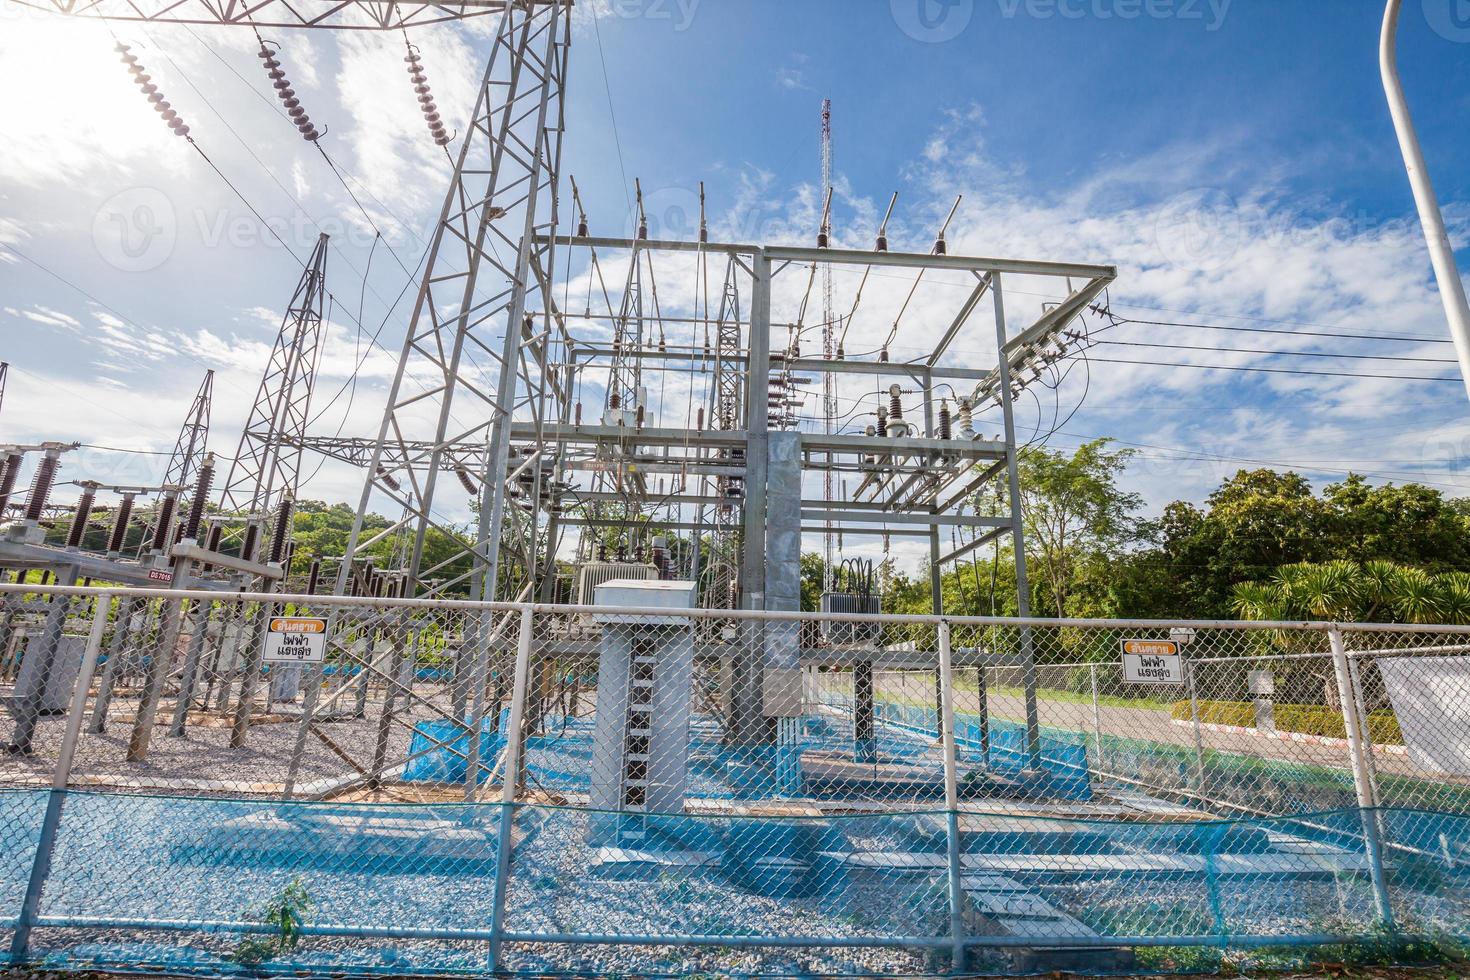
1307 719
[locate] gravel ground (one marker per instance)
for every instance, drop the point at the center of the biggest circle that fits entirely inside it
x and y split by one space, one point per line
1328 971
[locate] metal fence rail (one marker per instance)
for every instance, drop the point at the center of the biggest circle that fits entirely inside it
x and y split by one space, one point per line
459 786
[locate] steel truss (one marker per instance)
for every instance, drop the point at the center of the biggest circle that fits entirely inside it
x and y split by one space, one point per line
470 345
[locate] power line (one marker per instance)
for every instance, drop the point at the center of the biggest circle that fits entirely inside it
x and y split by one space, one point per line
1267 370
1335 334
1279 353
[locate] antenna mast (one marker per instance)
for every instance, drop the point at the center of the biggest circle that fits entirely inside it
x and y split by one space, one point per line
829 379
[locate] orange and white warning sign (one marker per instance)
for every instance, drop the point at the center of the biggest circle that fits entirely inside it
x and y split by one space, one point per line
1152 662
296 640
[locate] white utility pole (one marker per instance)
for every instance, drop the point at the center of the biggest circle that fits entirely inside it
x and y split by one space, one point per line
1451 289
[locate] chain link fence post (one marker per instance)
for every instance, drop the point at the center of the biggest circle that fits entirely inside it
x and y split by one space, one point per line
1097 737
510 778
1199 737
951 797
1362 779
20 939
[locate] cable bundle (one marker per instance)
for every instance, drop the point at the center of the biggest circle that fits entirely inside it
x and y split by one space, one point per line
145 84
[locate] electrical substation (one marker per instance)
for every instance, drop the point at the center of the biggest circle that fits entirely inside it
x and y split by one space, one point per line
574 580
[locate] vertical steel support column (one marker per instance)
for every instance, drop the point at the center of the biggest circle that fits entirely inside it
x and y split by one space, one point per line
253 640
1018 533
46 845
28 711
951 798
1199 737
510 778
1362 780
173 621
192 659
747 714
116 653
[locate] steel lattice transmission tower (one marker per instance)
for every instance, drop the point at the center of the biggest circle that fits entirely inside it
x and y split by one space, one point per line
471 357
727 414
193 440
267 464
189 450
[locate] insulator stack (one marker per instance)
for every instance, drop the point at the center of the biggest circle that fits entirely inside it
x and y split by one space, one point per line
161 531
582 230
882 421
41 488
314 575
426 100
882 242
282 531
388 479
252 536
946 430
7 480
287 95
939 246
84 512
211 542
967 420
201 495
144 81
120 523
464 479
883 355
290 557
895 404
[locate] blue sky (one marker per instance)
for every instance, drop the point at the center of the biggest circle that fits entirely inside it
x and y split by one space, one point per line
1235 160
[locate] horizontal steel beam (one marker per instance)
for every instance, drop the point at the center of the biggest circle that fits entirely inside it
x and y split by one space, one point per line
928 520
360 15
924 260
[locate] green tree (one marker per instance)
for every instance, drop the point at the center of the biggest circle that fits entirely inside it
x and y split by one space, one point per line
1077 518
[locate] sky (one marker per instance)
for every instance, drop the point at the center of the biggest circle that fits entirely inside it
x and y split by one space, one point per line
1233 158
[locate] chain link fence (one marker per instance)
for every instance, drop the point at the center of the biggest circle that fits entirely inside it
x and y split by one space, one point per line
301 784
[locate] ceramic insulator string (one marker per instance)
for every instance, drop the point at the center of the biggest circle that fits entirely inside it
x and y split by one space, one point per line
144 81
287 94
421 89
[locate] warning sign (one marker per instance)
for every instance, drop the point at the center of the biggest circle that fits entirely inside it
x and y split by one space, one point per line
296 640
1152 662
